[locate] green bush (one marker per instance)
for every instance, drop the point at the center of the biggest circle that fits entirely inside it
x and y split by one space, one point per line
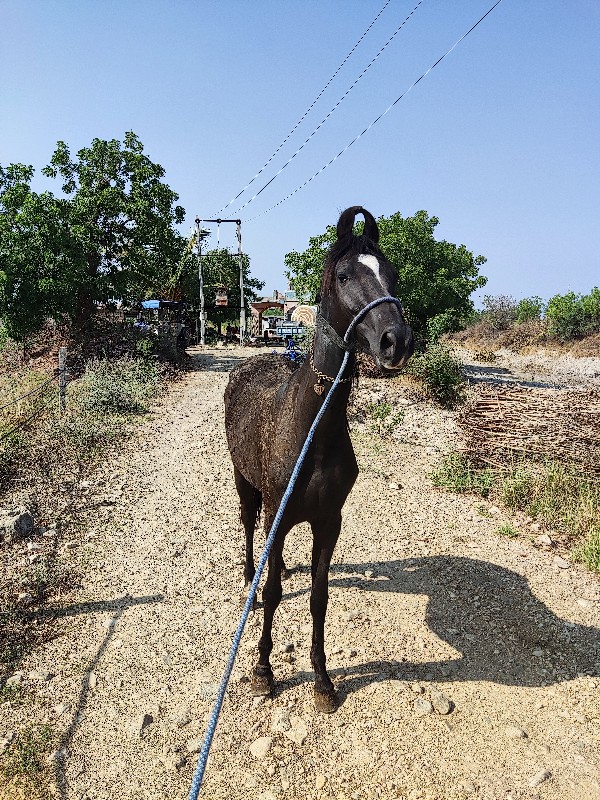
440 373
457 474
507 530
516 488
144 347
3 336
529 308
384 420
24 763
555 494
588 552
590 307
571 315
448 322
123 386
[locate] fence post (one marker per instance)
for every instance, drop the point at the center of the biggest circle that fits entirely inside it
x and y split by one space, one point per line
62 378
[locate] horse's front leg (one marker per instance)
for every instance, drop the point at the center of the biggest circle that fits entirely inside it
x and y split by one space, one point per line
325 536
262 679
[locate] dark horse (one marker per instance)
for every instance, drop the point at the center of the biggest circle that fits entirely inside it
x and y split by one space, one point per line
270 405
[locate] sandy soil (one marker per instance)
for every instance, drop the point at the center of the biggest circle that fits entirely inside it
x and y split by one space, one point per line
431 611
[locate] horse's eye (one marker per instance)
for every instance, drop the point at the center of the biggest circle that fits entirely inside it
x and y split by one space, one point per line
342 277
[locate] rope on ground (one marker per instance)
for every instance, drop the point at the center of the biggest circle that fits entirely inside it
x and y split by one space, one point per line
214 717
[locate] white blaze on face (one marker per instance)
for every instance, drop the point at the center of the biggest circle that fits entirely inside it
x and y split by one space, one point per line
373 264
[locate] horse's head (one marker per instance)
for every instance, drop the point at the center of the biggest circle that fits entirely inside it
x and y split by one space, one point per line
356 273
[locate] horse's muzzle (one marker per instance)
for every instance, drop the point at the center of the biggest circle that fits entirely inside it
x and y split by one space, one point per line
395 346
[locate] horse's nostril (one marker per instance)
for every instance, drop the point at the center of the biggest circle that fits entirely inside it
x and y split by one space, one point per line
388 341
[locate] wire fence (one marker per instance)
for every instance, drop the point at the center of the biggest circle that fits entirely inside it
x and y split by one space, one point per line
33 391
40 398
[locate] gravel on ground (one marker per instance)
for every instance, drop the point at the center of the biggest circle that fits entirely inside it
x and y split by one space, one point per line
468 663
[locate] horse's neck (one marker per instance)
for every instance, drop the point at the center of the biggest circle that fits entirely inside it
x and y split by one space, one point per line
327 358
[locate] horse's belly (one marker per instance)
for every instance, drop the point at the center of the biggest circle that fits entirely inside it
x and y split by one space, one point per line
322 487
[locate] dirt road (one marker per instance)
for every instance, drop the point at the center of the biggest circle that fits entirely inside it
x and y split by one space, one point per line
431 611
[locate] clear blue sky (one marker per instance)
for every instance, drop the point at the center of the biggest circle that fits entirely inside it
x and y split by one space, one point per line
501 141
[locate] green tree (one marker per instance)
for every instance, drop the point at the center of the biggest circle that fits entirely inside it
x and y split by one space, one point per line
220 268
571 315
110 234
434 277
530 308
38 265
121 217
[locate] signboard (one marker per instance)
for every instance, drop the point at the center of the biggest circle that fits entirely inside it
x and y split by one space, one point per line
288 330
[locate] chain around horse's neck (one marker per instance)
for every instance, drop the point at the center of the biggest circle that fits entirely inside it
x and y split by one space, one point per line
329 336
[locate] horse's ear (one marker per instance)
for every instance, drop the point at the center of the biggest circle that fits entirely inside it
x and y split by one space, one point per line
346 224
371 229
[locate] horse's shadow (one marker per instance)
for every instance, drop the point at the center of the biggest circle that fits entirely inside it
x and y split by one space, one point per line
486 613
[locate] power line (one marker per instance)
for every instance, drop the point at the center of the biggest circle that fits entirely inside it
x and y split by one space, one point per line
339 102
375 121
303 117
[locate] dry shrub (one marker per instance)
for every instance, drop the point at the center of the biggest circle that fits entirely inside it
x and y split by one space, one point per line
542 449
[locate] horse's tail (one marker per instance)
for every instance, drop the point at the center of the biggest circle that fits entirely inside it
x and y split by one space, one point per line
346 224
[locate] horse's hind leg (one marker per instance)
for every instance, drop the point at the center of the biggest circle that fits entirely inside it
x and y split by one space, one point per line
285 572
250 504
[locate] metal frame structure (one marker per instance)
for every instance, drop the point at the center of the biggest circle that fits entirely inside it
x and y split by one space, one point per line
201 234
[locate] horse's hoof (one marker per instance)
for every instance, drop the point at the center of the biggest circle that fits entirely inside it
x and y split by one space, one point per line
326 702
262 685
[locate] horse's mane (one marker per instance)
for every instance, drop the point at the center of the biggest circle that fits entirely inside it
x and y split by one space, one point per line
347 242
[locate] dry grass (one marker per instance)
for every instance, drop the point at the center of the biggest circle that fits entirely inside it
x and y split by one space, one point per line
537 452
24 772
551 493
523 338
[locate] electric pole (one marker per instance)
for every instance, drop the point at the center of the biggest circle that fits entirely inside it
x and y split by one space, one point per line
242 304
200 235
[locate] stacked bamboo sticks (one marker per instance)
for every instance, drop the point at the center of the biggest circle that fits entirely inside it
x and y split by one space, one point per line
505 423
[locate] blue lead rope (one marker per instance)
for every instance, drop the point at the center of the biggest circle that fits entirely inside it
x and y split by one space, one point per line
214 717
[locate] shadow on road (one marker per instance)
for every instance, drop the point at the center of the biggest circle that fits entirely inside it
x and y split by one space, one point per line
223 361
118 606
487 613
505 377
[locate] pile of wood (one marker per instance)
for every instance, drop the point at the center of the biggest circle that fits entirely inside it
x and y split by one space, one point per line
504 424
